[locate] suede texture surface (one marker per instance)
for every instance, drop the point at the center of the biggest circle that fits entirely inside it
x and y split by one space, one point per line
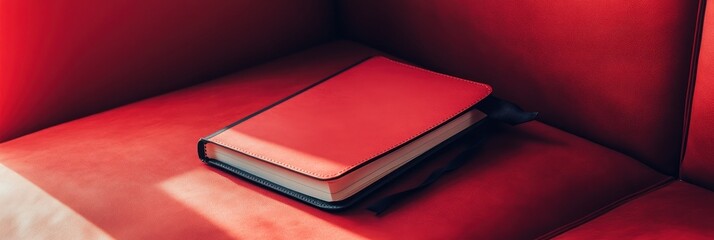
133 171
64 60
614 72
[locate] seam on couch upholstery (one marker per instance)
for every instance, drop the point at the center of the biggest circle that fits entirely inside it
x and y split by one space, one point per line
580 221
689 94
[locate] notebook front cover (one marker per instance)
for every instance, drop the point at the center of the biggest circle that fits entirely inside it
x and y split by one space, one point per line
348 120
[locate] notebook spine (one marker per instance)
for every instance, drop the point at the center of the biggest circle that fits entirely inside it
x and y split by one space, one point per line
202 150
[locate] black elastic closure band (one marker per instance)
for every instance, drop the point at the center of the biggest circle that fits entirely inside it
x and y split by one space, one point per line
504 111
383 204
497 110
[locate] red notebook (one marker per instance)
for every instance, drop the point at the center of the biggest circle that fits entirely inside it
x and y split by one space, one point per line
332 143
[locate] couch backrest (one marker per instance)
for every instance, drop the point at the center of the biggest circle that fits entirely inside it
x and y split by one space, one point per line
60 60
614 72
698 163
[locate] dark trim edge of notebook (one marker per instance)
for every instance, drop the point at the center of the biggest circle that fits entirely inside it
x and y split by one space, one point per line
357 197
202 142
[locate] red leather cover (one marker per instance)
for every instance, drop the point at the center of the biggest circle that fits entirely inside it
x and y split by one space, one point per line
352 118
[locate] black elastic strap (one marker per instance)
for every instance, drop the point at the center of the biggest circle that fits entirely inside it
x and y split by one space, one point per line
497 110
383 204
504 111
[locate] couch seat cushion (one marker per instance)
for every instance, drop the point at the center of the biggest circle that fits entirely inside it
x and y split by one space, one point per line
677 211
133 172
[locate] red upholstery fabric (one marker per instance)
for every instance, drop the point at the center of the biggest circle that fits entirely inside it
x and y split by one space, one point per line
677 211
614 72
134 173
63 60
698 164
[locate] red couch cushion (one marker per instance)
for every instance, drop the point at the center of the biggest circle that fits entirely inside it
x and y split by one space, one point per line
613 72
698 163
133 171
63 60
677 211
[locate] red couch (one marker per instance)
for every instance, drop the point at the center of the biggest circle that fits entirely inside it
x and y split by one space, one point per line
101 105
